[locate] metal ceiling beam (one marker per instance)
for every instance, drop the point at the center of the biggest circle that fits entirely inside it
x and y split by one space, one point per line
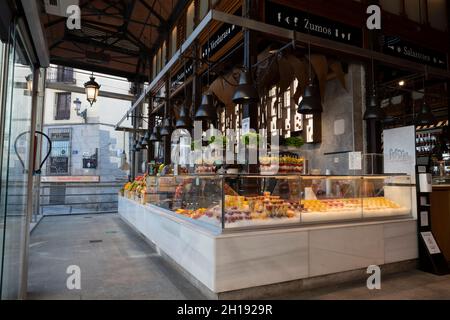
101 45
326 44
176 12
176 57
63 19
282 33
130 76
157 15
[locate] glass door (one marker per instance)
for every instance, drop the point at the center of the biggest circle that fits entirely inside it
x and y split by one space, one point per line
16 111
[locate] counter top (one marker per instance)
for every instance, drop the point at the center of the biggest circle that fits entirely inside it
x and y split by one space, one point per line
441 186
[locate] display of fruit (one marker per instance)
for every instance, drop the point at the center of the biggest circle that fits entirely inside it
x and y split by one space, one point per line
285 163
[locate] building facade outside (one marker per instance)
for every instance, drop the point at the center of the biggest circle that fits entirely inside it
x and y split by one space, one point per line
87 154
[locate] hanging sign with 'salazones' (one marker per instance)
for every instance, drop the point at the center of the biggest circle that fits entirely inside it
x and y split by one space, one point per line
398 47
301 21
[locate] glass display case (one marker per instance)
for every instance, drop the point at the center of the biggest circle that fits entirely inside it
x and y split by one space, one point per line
246 201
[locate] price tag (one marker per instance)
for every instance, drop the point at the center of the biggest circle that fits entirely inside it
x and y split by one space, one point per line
354 161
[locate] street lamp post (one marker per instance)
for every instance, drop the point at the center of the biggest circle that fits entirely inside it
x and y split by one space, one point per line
83 114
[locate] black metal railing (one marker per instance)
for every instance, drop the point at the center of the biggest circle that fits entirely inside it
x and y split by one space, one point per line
78 198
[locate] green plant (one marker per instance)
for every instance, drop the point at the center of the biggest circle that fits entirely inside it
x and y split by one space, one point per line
218 140
294 142
251 136
196 145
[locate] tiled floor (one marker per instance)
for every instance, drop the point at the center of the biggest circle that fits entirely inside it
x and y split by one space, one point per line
116 263
413 284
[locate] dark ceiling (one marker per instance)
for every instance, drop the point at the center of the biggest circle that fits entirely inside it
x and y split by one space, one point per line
117 37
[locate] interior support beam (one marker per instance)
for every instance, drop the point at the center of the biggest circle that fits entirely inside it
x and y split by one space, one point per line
156 14
288 35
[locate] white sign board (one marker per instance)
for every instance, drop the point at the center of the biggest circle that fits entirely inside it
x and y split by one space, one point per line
424 219
431 244
355 161
245 126
400 151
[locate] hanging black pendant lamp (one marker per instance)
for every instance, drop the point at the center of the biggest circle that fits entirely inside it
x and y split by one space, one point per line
137 146
245 91
425 116
373 109
388 118
145 138
205 111
154 137
166 127
183 122
311 101
143 142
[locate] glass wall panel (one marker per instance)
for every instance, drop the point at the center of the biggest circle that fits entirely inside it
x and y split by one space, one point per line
2 220
16 126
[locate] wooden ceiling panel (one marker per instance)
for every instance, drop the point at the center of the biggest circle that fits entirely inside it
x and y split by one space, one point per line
116 36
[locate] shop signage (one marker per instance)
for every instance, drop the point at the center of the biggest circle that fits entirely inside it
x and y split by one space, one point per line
301 21
182 74
225 33
70 179
397 47
400 151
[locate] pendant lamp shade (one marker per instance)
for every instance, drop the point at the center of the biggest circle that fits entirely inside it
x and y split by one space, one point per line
205 111
373 110
311 102
425 116
183 122
155 135
144 141
245 91
166 128
137 146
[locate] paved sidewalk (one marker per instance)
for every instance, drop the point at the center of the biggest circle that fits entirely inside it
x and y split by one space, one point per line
115 262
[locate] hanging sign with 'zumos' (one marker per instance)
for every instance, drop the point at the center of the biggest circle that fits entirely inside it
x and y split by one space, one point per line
289 18
397 47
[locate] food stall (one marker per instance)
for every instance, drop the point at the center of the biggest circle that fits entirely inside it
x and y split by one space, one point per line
312 218
287 228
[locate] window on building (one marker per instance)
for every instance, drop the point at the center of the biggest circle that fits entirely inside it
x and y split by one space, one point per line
163 55
190 15
65 74
173 42
63 102
203 10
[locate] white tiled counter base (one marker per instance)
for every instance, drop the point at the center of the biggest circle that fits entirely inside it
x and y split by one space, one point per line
236 261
